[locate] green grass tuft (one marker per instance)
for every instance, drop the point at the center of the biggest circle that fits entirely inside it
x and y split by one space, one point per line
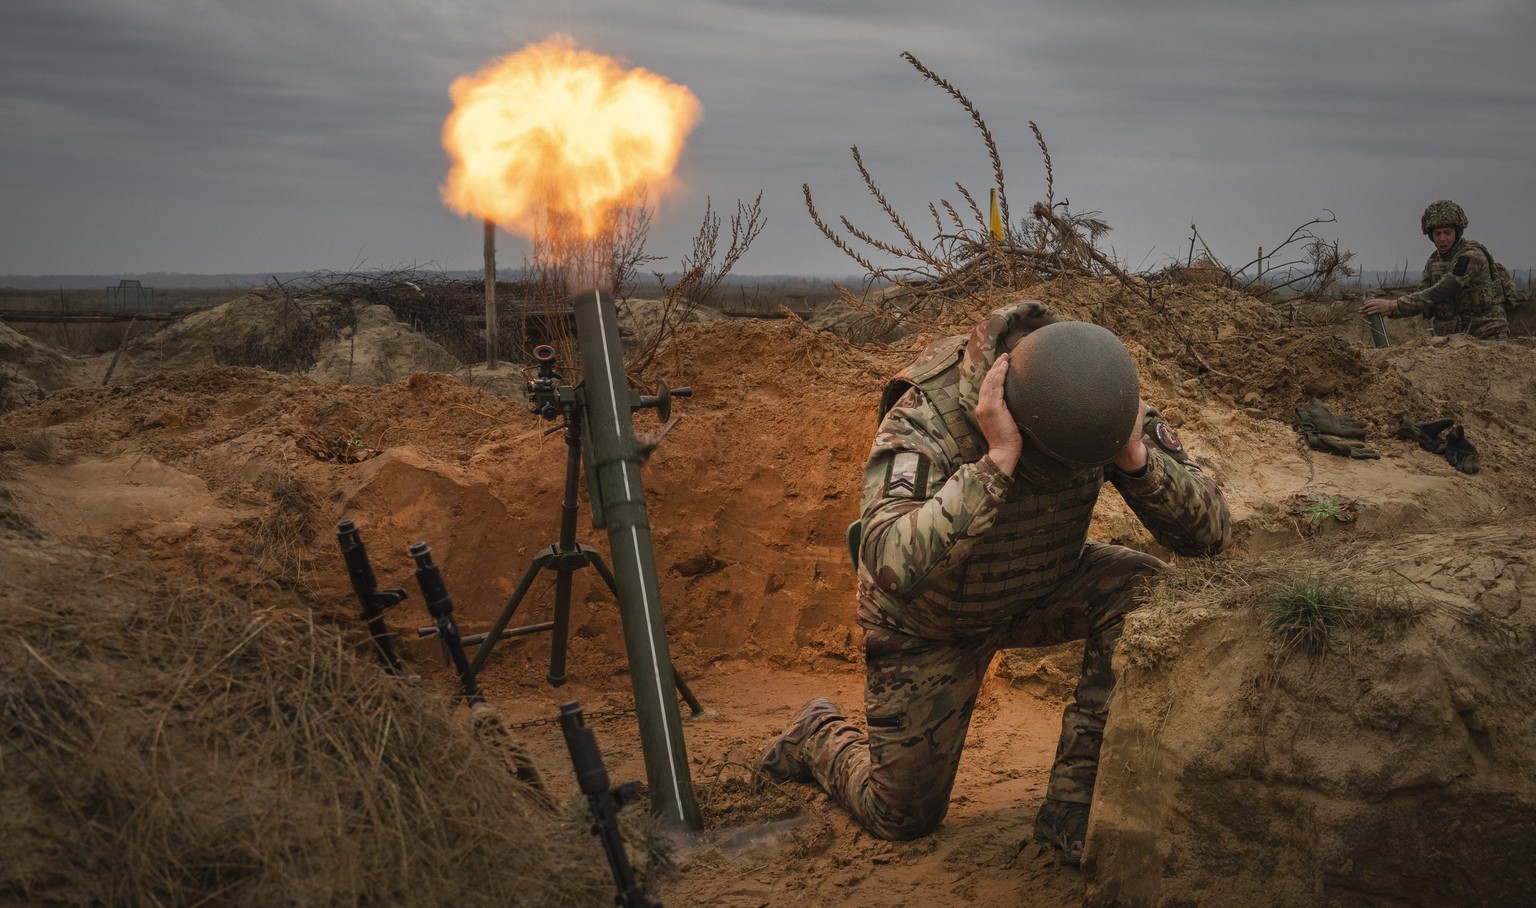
1319 509
1305 611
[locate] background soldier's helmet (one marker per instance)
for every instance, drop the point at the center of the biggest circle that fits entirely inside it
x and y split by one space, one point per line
1444 213
1072 388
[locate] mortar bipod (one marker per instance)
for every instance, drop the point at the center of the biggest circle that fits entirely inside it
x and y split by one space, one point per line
566 557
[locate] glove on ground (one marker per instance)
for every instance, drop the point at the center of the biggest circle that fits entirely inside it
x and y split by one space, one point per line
1459 452
1328 432
1317 418
1426 434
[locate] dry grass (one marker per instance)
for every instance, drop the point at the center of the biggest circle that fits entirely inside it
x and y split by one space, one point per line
44 447
164 746
1304 611
1304 596
282 532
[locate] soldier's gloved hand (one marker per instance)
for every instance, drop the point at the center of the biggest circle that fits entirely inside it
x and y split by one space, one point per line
1426 434
1461 453
1314 417
1351 449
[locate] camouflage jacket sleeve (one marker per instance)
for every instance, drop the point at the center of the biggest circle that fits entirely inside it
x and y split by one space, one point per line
1468 270
1181 506
921 513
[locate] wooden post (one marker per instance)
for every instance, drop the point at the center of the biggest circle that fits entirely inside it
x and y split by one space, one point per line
122 345
64 307
490 294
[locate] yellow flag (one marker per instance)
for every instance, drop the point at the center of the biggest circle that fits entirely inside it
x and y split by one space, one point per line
997 220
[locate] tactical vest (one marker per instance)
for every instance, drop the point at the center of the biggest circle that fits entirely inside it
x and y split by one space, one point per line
1039 534
1468 303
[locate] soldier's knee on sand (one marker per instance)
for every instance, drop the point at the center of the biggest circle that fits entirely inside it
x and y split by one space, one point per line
902 828
919 814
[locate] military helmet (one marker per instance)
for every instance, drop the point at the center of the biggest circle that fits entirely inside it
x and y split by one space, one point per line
1072 388
1444 213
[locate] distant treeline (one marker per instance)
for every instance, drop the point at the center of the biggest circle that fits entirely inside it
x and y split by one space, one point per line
167 279
172 279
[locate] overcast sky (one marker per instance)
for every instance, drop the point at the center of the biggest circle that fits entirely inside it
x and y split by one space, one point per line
210 136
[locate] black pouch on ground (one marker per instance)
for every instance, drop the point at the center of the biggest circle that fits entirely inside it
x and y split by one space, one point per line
1459 452
1426 434
1329 433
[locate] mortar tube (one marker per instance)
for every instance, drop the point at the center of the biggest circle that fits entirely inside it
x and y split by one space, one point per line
614 457
1379 331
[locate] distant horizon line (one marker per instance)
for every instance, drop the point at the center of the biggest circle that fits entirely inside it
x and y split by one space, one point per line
180 279
224 279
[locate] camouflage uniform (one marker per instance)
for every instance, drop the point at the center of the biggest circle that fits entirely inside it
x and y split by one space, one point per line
1459 294
958 560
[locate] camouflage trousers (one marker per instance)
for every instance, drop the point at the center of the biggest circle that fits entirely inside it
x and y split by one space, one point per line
896 777
1489 325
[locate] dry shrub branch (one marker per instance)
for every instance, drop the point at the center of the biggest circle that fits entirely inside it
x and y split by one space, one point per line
938 280
965 257
704 267
564 262
1318 271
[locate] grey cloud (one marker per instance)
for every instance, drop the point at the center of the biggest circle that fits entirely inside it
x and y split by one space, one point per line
313 125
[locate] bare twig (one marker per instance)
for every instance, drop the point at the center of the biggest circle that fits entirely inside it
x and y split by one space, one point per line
703 270
964 257
1323 267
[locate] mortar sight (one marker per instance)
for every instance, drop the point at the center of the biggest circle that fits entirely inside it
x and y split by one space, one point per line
549 400
542 391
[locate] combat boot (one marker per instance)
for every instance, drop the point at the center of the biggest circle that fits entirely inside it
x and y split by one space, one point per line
782 762
1063 825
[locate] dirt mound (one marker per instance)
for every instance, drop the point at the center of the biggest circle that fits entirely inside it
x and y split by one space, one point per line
29 370
643 321
376 350
1248 768
348 343
235 476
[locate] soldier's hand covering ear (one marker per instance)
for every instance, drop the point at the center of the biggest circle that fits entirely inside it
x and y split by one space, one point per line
1005 443
1134 456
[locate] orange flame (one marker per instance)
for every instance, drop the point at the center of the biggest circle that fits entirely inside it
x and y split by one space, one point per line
556 131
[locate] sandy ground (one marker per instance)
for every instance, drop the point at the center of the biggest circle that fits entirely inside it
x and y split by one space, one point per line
239 476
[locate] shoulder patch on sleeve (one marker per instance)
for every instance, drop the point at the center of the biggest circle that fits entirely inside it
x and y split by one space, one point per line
1461 265
908 476
1167 439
